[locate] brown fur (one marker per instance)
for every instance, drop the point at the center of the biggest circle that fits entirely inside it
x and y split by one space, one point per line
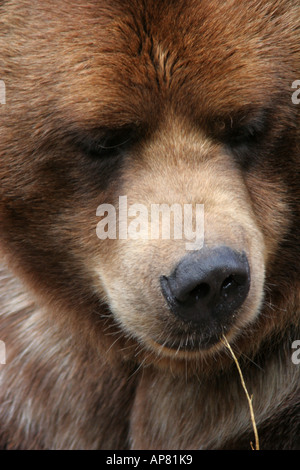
94 357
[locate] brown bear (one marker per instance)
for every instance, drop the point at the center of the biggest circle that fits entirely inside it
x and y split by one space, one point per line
118 341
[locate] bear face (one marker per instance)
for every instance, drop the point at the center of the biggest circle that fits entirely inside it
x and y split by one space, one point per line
164 103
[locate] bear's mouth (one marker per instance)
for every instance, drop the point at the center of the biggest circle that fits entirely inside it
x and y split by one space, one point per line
193 340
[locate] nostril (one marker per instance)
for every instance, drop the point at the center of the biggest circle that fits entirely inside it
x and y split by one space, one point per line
229 282
229 286
232 285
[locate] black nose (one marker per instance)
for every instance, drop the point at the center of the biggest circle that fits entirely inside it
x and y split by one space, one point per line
208 286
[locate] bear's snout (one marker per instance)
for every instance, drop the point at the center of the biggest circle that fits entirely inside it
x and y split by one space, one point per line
208 286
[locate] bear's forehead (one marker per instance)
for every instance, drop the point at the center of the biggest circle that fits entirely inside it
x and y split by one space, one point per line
128 60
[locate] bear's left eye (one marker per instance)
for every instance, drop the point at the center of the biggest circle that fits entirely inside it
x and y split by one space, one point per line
243 136
245 131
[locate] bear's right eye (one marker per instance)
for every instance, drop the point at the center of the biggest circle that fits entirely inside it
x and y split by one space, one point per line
108 142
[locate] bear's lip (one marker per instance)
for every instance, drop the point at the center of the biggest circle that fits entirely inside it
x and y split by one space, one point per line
195 344
190 345
194 338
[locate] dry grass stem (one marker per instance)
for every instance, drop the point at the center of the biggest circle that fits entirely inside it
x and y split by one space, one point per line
225 341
